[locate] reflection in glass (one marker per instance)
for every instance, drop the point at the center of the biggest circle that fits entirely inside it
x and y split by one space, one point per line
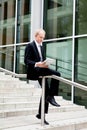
81 17
81 61
58 18
24 19
7 22
80 97
20 66
5 10
6 58
61 52
81 70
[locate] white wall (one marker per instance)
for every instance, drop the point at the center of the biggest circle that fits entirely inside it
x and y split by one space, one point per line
36 16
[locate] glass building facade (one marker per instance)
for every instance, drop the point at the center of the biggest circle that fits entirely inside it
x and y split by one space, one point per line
65 23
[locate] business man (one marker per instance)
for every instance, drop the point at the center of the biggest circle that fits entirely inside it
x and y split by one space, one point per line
34 60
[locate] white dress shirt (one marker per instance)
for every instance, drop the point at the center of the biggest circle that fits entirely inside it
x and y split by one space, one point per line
39 50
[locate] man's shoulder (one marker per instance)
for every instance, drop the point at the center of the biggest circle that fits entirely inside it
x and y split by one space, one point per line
30 43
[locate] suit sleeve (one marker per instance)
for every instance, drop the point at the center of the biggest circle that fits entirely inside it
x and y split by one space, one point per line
28 57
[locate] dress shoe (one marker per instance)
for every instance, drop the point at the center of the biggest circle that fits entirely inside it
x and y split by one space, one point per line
52 101
45 122
39 117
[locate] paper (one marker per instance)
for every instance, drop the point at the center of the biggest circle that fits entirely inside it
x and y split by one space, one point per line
49 61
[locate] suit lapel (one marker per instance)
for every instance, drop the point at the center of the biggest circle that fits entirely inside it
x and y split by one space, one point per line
36 50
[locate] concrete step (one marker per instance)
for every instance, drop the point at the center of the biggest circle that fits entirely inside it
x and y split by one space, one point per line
31 102
2 73
8 77
76 120
28 101
22 105
10 82
28 98
21 87
15 86
18 99
21 90
33 110
4 76
84 129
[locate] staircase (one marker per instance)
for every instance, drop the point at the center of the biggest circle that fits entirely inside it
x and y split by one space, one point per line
19 104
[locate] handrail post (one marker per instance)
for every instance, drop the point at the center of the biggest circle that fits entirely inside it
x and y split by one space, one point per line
43 102
72 94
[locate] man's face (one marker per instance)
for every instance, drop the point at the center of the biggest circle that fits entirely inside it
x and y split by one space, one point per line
40 37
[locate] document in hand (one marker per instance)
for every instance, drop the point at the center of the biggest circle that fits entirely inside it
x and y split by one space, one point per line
49 61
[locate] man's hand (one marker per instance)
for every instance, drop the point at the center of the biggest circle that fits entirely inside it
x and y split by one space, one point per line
41 64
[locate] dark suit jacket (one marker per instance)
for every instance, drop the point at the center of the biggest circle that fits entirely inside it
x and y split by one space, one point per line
30 58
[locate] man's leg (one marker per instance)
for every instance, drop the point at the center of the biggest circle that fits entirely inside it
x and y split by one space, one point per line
46 103
46 95
54 85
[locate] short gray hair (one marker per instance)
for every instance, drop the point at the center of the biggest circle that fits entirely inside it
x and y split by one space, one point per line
38 31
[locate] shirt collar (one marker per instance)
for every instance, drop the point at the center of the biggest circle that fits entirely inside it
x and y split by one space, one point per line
38 44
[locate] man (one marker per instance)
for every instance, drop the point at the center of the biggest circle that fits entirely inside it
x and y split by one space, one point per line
36 66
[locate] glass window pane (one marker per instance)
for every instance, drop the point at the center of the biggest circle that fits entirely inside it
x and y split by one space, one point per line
58 18
24 19
80 97
81 61
61 52
20 66
7 58
81 70
7 22
81 17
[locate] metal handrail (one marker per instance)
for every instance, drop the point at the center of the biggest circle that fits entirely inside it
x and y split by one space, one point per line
60 79
13 73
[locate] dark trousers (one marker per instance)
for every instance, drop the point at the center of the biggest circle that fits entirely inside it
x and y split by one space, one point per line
51 87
